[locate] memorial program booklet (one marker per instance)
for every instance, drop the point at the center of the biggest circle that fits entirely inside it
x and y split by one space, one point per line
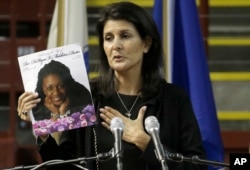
60 78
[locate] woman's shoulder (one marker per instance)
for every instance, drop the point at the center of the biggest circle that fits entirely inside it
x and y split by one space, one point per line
172 89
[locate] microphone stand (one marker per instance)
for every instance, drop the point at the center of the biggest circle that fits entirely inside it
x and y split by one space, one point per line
118 156
50 163
194 159
74 162
164 165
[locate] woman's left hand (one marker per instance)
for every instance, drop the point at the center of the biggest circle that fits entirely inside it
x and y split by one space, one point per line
133 129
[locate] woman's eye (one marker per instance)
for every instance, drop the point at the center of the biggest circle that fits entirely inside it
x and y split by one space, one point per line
108 38
125 35
49 88
61 86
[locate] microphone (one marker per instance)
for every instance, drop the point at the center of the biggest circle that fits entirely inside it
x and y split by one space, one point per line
117 126
152 127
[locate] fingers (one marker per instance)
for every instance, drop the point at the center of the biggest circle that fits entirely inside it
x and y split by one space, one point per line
108 113
20 102
105 115
63 108
24 116
106 119
106 125
142 112
26 102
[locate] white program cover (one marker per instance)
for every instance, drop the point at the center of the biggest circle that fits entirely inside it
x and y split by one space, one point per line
60 78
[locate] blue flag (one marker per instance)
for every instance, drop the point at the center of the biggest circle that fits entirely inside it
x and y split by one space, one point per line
190 71
157 15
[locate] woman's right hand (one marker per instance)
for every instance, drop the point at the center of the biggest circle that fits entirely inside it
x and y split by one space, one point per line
58 109
26 102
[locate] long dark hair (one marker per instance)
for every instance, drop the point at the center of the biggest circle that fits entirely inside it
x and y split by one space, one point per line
152 61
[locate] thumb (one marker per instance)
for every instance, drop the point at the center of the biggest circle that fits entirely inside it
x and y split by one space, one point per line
142 112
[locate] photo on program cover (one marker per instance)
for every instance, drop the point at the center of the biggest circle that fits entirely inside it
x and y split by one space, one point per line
60 78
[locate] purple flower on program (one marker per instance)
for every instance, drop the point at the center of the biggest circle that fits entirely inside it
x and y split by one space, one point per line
35 126
60 126
76 120
77 125
75 116
42 123
64 121
53 126
84 123
69 120
71 126
92 118
40 131
89 109
82 117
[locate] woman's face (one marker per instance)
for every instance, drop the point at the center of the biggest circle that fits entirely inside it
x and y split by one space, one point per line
123 45
54 89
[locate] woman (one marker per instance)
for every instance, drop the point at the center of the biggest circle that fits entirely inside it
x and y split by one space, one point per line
130 86
60 94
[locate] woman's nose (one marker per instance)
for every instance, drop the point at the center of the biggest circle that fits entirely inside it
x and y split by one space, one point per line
56 91
117 44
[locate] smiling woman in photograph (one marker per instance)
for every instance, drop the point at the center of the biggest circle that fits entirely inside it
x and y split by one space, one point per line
60 94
